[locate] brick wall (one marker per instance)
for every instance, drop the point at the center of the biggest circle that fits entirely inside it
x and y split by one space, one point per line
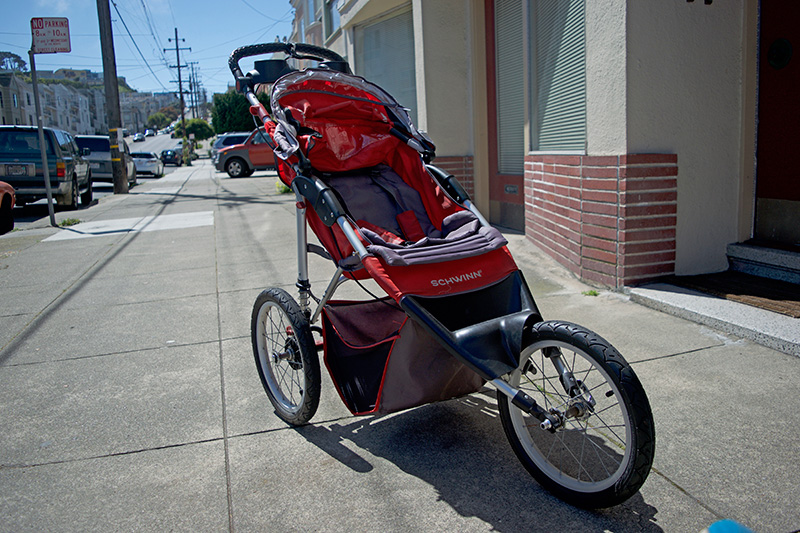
461 168
609 219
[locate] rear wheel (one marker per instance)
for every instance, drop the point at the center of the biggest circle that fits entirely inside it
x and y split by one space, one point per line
87 196
603 450
74 196
286 357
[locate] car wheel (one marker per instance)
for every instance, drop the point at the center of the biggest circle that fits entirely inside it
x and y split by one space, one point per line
6 216
236 167
73 196
86 197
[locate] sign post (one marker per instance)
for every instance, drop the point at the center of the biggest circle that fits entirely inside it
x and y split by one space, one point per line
49 35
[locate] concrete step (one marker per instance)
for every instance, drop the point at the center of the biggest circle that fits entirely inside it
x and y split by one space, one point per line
765 262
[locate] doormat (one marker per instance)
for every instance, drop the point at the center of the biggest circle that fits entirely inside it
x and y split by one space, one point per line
773 295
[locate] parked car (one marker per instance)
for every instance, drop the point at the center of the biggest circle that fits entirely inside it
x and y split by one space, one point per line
171 157
241 160
148 163
100 158
139 137
21 166
7 200
227 139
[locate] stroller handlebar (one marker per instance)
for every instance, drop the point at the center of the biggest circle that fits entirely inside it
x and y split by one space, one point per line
295 50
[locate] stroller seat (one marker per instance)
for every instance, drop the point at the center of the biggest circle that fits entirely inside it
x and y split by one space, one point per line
392 219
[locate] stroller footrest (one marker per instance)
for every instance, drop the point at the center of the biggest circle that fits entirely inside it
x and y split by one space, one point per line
491 348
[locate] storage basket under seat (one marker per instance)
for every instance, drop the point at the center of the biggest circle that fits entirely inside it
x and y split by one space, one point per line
382 362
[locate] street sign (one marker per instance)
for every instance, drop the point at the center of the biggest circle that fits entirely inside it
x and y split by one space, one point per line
50 35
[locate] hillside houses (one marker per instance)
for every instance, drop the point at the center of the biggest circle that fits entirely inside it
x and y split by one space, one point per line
80 111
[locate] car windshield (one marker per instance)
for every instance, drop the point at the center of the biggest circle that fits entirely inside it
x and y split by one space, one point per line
143 155
95 144
23 143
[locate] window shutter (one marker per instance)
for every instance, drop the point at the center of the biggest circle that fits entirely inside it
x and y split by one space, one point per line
559 95
509 41
385 56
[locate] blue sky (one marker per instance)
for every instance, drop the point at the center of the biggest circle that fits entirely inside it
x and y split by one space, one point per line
211 29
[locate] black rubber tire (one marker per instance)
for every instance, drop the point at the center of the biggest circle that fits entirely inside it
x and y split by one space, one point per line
88 195
74 197
626 449
286 356
236 167
6 216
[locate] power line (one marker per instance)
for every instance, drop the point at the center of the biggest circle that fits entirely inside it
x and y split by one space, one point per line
136 45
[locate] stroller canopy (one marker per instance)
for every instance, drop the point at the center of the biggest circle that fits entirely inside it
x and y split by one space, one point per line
353 122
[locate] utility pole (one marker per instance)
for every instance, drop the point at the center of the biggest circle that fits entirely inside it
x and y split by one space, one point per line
193 88
186 159
112 97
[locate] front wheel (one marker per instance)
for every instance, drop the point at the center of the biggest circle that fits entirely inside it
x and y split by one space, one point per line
286 357
236 168
603 450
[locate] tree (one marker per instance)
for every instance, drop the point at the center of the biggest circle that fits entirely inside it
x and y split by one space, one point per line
198 126
231 112
11 61
171 112
158 121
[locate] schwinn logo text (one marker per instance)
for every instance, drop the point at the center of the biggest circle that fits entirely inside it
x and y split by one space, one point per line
456 279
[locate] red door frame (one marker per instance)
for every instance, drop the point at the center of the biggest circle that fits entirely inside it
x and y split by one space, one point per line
497 180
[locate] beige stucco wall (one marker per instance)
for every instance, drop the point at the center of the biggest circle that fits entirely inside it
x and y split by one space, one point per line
606 90
442 48
684 96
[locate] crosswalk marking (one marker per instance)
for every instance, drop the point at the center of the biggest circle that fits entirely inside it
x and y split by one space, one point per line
100 228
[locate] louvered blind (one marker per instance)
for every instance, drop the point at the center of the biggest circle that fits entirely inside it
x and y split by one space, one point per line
509 41
385 56
558 101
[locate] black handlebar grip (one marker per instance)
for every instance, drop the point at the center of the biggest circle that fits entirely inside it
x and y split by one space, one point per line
290 49
254 50
317 52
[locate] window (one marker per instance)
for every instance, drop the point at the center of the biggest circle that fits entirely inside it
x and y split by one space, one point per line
558 76
14 100
385 56
28 98
332 20
510 76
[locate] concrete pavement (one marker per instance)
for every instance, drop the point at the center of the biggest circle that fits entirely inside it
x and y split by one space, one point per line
129 400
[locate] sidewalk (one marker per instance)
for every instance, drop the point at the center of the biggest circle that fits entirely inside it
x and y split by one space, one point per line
130 401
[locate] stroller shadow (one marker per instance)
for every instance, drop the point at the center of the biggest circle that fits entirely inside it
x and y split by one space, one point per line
459 448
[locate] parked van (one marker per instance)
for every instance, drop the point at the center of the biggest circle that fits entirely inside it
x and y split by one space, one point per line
100 158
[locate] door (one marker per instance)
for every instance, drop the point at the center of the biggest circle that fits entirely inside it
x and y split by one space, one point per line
506 94
777 171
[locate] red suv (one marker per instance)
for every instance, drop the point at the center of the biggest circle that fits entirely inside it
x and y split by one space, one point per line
241 160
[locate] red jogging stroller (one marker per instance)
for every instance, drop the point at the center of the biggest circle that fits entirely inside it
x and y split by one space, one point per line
457 315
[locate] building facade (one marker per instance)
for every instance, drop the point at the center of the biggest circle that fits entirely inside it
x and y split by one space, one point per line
629 139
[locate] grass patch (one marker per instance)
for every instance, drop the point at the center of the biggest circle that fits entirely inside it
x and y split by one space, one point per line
591 293
282 188
67 222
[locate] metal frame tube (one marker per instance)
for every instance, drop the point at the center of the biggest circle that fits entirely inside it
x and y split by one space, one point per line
336 280
302 253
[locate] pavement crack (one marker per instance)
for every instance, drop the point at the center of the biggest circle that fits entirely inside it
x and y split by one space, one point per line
108 455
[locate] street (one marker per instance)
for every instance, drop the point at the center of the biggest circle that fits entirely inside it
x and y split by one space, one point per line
29 214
